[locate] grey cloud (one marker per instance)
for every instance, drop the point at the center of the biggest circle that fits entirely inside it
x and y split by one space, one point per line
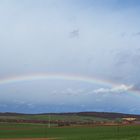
136 34
127 65
74 33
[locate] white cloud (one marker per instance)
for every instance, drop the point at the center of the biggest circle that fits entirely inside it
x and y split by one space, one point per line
72 92
118 89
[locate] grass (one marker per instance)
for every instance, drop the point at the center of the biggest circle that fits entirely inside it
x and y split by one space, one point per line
12 130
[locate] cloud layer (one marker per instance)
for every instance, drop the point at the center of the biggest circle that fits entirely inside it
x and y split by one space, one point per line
89 38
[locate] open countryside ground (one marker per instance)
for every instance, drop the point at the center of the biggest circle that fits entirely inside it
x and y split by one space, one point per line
37 131
56 117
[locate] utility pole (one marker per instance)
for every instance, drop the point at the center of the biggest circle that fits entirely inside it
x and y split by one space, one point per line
49 124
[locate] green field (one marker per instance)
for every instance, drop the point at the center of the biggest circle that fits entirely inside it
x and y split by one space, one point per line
12 130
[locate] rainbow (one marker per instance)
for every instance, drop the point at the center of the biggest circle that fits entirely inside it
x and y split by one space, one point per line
48 76
56 76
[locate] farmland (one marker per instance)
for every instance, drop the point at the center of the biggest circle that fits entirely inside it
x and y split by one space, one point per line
12 130
96 126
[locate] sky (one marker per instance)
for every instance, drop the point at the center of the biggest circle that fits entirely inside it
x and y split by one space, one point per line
88 52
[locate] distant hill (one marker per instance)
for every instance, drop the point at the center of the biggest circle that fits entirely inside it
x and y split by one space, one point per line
11 114
107 115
